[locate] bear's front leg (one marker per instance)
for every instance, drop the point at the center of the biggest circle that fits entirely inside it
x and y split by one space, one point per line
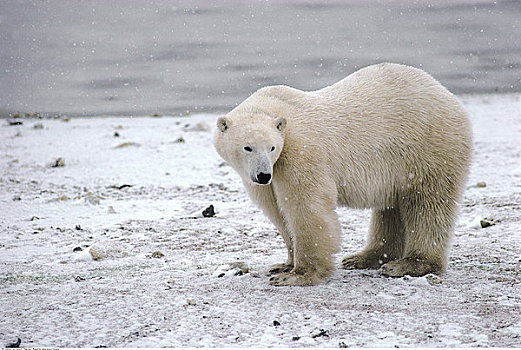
315 235
264 197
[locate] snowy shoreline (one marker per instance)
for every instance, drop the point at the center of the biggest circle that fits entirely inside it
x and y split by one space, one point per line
132 191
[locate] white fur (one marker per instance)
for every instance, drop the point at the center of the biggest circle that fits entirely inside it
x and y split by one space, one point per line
387 137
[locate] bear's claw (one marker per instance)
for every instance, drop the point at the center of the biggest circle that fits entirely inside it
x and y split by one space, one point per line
295 279
279 268
288 279
413 267
361 261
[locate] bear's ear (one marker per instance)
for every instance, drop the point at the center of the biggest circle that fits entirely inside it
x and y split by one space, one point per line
280 123
223 124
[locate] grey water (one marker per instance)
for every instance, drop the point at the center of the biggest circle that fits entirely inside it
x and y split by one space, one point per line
140 57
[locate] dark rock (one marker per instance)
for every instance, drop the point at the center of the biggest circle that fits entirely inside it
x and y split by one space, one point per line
15 345
320 333
276 323
209 212
77 249
487 222
58 163
241 265
157 254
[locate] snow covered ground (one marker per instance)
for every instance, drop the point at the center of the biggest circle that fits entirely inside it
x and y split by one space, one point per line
164 275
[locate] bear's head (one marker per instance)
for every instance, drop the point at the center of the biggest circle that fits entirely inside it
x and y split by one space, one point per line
251 144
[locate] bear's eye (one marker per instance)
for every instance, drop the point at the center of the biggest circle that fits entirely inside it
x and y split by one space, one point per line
272 148
248 149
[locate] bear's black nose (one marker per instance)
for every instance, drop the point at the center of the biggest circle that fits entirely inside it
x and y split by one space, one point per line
263 178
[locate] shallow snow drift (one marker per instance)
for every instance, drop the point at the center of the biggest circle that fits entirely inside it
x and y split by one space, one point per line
103 243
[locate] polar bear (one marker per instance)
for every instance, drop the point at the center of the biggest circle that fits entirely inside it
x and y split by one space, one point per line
387 137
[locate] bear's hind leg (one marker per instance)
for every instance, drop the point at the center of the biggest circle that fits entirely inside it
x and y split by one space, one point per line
428 225
386 241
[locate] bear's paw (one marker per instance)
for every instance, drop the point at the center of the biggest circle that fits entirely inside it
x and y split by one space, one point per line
295 279
414 267
279 268
362 261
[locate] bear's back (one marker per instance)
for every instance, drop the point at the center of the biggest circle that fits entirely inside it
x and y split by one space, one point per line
378 126
390 100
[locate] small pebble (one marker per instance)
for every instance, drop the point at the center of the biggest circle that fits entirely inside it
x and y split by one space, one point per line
58 163
487 222
201 126
106 249
157 254
238 268
93 199
433 279
127 144
320 333
14 345
209 212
